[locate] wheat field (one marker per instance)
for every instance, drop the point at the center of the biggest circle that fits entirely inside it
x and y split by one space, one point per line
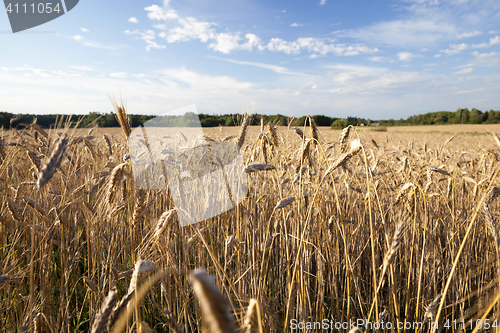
337 225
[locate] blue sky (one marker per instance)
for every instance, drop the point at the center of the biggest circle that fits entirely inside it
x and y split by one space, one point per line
367 58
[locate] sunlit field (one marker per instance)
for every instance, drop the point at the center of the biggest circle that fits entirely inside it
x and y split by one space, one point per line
464 128
337 226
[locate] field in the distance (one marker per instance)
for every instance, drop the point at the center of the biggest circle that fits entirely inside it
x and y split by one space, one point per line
402 229
465 128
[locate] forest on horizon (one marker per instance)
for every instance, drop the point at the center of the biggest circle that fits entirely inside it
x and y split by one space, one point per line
460 116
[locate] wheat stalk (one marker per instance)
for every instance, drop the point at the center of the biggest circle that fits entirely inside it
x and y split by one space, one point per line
252 323
344 136
273 134
101 320
450 138
114 182
299 132
314 130
54 161
344 158
214 305
283 203
397 238
122 118
163 221
259 167
15 210
35 160
243 131
430 313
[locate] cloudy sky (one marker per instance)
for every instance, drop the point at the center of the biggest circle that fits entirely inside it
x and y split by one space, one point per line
378 59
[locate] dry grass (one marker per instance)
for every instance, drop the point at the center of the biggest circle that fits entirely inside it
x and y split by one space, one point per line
396 226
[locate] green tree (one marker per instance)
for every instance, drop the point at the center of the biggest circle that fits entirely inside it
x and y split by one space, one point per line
464 119
475 116
493 117
300 122
322 120
340 124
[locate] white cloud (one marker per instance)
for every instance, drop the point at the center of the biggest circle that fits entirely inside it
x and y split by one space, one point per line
455 48
93 44
349 80
315 45
277 44
119 74
361 89
491 59
187 29
205 82
82 68
133 20
411 33
464 71
296 25
226 43
357 68
84 30
274 68
425 2
376 59
78 93
483 55
153 45
469 34
148 36
322 2
155 12
407 56
30 72
466 65
495 40
480 46
145 35
469 91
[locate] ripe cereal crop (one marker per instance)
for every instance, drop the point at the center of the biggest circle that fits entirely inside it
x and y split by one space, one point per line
337 224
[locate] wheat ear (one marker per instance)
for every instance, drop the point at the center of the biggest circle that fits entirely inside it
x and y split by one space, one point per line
397 239
243 132
122 118
101 321
343 139
252 321
55 159
314 130
214 305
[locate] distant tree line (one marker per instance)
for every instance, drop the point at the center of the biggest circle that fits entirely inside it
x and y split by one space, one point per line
461 116
8 120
